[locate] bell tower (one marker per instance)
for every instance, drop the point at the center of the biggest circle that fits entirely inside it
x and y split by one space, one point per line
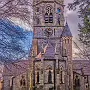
48 12
48 15
67 51
48 28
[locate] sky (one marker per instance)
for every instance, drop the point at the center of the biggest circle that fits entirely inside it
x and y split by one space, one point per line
72 19
71 16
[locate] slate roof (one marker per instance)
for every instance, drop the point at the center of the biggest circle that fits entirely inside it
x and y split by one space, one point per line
66 32
16 68
79 64
50 52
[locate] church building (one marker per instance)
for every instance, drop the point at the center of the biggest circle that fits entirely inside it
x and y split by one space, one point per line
51 66
52 47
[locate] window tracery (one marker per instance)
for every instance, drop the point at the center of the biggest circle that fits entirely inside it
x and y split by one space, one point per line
48 15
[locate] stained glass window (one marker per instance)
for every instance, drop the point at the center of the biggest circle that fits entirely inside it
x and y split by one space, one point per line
49 15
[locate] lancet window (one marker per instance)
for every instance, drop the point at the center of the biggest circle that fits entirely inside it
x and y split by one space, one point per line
37 77
49 76
23 81
48 15
77 81
61 75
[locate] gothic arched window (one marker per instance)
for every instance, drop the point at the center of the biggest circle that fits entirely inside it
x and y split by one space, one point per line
37 77
77 81
61 75
50 18
86 79
68 41
48 15
64 52
22 81
49 76
46 18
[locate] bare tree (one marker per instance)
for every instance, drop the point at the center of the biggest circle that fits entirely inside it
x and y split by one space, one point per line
83 52
84 13
12 40
13 37
16 8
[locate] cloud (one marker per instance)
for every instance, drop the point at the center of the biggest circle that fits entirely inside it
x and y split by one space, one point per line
72 18
21 23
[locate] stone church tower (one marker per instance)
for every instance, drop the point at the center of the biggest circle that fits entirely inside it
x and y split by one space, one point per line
52 47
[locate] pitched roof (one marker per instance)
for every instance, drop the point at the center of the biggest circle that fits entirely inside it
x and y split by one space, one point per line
16 68
50 52
81 64
39 56
66 32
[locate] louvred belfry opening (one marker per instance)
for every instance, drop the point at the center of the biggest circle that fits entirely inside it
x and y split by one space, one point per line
46 17
50 18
